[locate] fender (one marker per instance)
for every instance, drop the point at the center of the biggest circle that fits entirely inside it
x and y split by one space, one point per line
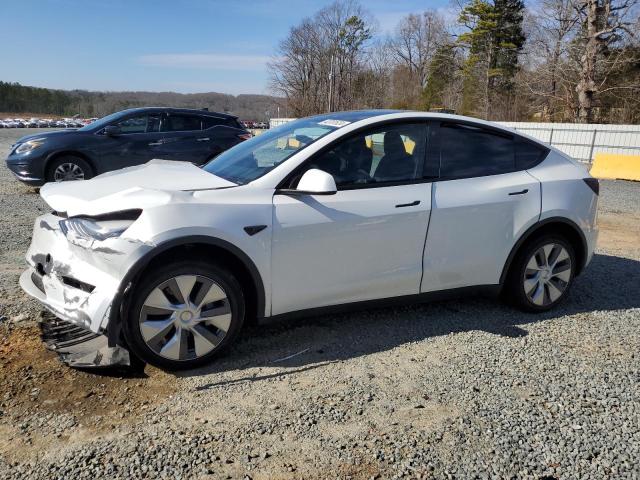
533 229
118 304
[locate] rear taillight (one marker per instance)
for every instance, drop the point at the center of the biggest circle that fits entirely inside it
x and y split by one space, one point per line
245 136
593 184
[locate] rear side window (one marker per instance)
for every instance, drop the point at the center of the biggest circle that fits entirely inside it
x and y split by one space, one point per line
209 122
183 123
467 151
528 154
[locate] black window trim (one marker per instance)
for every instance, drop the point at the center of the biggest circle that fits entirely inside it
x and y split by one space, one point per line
284 183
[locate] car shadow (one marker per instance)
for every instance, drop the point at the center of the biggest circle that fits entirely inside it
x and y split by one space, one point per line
609 283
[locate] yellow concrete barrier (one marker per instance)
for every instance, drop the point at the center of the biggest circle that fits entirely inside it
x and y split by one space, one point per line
617 166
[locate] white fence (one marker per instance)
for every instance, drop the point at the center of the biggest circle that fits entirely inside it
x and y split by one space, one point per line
580 141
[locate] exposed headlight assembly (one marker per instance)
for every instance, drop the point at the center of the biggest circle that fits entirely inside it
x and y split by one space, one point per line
81 229
30 145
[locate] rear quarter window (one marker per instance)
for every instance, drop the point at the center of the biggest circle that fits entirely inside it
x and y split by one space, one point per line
529 154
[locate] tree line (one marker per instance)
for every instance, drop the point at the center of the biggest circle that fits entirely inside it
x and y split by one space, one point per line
18 98
550 60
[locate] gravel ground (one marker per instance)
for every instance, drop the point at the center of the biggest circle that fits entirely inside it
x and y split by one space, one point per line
458 389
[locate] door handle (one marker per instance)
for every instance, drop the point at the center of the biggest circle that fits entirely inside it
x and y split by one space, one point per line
521 192
154 144
205 139
412 204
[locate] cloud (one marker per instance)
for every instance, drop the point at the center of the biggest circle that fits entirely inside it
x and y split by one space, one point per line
205 61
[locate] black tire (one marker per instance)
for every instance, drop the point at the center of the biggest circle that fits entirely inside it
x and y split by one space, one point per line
77 162
155 277
515 288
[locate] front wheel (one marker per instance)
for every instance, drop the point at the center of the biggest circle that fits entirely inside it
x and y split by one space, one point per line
184 314
542 273
69 168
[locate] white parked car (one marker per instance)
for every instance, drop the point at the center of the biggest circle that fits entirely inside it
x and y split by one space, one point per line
339 210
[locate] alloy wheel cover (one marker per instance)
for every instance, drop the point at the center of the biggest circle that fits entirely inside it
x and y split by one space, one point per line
185 317
547 274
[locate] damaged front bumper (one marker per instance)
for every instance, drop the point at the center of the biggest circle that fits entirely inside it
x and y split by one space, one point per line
78 284
81 348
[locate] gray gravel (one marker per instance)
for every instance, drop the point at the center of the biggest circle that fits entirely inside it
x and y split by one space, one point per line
459 389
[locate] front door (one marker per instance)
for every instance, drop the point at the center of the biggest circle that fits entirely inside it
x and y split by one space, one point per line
137 143
364 242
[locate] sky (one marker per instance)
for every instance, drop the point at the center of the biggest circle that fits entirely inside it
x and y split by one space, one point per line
183 46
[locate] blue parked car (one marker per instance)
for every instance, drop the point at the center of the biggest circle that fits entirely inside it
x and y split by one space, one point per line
126 138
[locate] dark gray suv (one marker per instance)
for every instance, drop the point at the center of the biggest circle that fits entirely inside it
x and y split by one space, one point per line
126 138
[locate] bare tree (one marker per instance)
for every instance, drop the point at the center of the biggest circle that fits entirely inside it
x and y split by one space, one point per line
416 41
550 78
605 24
321 58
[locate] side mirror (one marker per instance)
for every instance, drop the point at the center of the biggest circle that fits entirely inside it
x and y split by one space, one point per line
314 182
112 130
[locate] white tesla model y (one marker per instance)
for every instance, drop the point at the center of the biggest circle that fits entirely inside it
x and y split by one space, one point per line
168 260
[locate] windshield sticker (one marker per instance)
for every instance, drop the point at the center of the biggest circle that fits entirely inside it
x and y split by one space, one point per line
334 123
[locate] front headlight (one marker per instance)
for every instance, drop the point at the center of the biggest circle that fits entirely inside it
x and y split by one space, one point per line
81 229
29 145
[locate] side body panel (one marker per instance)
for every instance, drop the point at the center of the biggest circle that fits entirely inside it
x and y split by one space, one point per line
352 246
474 224
565 194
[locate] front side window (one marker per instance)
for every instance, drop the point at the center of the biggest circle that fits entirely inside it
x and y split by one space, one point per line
468 151
259 155
391 153
182 123
140 124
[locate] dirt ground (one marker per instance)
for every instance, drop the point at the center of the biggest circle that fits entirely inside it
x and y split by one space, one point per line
416 392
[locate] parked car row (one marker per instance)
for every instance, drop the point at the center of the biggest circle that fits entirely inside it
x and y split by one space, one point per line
45 122
252 124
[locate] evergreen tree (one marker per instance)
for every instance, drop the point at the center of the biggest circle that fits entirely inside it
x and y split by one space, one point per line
441 76
493 40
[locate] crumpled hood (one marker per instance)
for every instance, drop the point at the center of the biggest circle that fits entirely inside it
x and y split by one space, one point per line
154 183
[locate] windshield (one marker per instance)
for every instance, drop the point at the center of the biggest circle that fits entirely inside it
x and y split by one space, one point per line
255 157
103 122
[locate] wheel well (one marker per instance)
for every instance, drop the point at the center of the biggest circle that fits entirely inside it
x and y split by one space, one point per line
555 226
222 257
57 155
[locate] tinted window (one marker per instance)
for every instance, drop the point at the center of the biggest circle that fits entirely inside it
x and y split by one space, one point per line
467 151
528 154
140 124
182 123
208 122
394 153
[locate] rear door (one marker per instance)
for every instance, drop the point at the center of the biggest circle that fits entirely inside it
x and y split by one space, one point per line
183 139
482 204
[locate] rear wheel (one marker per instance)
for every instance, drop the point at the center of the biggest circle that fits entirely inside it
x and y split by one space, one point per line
542 273
67 168
184 314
